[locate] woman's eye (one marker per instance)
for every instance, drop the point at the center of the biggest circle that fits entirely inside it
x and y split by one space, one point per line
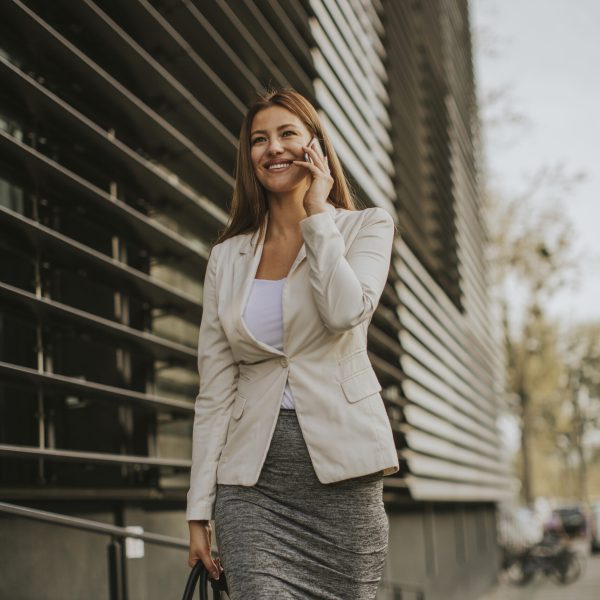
262 137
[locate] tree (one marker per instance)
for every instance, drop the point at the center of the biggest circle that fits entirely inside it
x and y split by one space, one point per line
532 257
581 399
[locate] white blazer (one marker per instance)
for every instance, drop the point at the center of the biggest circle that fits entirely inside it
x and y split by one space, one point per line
329 297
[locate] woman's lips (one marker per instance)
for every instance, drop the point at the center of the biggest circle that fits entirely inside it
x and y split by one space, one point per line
280 169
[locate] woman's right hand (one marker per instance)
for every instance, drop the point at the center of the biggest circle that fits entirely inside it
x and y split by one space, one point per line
200 543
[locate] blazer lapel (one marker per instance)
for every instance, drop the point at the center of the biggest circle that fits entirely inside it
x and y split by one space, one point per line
245 269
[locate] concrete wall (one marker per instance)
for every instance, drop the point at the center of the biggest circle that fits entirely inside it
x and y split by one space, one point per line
448 551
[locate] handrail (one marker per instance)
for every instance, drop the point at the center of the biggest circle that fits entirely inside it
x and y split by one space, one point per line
91 526
117 564
158 539
405 591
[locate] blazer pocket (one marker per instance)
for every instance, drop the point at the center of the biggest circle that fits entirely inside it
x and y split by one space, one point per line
360 385
238 406
353 363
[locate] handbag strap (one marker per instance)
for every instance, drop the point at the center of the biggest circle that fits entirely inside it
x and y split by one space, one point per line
200 573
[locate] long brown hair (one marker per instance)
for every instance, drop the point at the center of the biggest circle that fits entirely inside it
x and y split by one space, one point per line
249 202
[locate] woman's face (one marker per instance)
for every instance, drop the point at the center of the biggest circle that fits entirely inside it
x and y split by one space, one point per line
276 139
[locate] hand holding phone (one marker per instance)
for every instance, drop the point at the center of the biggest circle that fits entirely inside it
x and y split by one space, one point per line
314 142
317 194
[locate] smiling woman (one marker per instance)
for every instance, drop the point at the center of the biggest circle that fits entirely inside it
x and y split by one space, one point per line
277 149
277 129
291 437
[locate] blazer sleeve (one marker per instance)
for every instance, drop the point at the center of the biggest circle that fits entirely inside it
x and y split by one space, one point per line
347 288
219 374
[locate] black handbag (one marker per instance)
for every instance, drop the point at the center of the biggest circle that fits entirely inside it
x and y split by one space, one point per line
199 572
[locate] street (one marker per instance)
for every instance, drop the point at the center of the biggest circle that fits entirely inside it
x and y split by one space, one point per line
585 588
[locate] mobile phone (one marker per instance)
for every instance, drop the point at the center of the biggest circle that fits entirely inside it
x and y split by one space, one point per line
314 142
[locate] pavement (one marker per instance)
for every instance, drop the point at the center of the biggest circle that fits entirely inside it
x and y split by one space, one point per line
586 587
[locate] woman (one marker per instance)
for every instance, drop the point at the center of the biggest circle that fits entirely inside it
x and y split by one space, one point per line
291 437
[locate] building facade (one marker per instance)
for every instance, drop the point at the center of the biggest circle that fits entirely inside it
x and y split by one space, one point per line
118 132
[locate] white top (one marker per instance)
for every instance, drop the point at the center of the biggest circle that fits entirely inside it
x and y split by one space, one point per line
263 316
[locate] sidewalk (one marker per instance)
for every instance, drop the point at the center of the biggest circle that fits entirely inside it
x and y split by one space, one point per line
585 588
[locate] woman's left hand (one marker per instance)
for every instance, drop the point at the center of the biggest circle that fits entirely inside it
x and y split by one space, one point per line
316 196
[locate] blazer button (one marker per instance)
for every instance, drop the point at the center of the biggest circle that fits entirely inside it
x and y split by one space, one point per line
284 362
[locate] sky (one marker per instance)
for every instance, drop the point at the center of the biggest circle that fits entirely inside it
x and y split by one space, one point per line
547 53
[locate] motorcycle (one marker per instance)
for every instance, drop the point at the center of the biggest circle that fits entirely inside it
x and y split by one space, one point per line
554 558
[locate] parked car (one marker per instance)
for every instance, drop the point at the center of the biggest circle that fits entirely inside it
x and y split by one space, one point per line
575 522
595 527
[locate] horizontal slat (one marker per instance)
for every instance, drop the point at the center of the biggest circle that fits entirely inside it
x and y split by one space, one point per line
53 454
422 488
194 26
415 416
428 292
92 389
355 167
376 138
270 41
386 370
379 178
49 310
374 156
473 385
175 86
427 466
151 177
158 30
337 45
439 369
425 443
159 238
150 123
280 11
54 245
329 52
428 406
411 307
365 35
353 41
420 374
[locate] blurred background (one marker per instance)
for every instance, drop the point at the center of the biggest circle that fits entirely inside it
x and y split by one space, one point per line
536 105
471 123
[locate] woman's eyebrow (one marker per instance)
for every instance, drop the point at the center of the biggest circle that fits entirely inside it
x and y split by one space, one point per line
280 127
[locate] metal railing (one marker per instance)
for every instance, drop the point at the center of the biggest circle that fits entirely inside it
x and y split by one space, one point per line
115 551
407 591
117 564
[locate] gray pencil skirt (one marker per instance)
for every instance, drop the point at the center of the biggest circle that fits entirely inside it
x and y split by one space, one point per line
291 536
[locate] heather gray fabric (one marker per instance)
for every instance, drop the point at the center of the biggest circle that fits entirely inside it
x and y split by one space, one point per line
290 536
